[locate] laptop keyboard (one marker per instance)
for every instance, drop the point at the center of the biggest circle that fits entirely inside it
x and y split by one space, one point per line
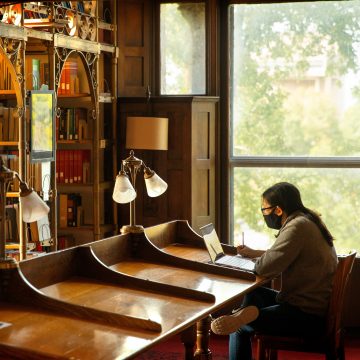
236 261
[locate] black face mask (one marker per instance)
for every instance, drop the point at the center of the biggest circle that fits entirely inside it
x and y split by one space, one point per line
273 221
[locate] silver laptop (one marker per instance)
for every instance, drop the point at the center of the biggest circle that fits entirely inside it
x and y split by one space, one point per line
216 252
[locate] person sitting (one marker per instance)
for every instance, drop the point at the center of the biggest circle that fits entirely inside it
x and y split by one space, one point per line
304 254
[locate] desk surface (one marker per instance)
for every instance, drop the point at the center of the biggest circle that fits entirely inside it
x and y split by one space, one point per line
59 335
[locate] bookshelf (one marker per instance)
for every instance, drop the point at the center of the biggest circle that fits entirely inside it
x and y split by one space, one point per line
71 47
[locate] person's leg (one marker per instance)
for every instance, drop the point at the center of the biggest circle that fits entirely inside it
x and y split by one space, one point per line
260 297
240 341
284 319
240 344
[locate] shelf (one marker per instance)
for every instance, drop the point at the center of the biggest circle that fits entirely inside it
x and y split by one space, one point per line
77 95
9 143
11 31
7 95
77 228
46 34
13 194
78 187
83 228
7 92
74 144
74 187
39 34
44 23
106 26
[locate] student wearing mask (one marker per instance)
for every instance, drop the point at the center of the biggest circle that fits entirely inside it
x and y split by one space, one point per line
304 254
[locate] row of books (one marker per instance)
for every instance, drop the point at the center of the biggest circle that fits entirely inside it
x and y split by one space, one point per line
73 166
34 171
5 76
9 124
87 7
38 234
15 254
69 81
70 210
11 223
37 14
65 241
72 124
37 73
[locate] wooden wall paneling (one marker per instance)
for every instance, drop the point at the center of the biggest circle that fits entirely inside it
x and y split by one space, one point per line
188 166
134 47
203 162
178 159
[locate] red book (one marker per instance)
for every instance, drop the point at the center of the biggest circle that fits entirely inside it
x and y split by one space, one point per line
57 165
61 88
61 166
67 166
71 166
57 128
67 77
77 166
79 169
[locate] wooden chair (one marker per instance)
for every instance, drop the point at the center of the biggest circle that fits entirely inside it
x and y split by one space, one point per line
331 343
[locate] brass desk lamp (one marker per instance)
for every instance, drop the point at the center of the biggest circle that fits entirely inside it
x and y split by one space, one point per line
147 133
32 206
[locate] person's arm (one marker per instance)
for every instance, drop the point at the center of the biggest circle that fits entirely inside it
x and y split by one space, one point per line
248 252
283 252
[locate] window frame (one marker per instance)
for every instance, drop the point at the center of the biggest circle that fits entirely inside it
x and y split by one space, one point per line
229 162
210 48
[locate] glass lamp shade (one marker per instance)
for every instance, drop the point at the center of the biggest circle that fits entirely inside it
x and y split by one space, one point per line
155 185
123 192
33 207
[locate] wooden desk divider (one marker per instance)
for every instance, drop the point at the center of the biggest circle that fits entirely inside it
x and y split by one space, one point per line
178 233
46 283
82 262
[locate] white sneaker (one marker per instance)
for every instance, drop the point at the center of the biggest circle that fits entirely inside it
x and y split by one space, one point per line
227 324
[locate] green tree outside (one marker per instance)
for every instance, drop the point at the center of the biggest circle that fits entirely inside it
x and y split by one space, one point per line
292 66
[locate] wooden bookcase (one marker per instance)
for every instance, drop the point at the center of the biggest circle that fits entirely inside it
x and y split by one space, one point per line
75 43
189 164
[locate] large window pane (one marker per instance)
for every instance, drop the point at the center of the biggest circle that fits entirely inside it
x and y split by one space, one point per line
334 193
182 47
295 79
295 76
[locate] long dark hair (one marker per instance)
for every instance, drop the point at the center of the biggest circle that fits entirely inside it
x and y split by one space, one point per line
288 198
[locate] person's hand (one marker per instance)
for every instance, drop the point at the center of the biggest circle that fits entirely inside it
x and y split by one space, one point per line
246 251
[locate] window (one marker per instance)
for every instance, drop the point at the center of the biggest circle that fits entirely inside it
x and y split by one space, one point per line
295 112
182 48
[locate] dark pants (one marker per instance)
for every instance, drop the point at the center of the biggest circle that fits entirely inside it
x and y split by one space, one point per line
273 319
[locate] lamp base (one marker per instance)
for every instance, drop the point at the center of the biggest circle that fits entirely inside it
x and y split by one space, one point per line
134 229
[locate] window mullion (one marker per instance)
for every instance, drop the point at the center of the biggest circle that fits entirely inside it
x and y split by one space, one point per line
295 161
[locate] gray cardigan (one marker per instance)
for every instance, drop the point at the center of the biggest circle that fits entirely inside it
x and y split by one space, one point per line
307 264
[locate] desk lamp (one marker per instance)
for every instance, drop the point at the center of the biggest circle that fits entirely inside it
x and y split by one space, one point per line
147 133
32 206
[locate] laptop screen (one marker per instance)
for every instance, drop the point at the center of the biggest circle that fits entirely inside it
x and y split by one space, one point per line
212 241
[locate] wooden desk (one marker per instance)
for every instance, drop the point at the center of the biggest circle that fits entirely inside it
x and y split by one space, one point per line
116 297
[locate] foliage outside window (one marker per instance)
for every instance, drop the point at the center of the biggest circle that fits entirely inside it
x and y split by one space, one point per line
295 112
182 48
